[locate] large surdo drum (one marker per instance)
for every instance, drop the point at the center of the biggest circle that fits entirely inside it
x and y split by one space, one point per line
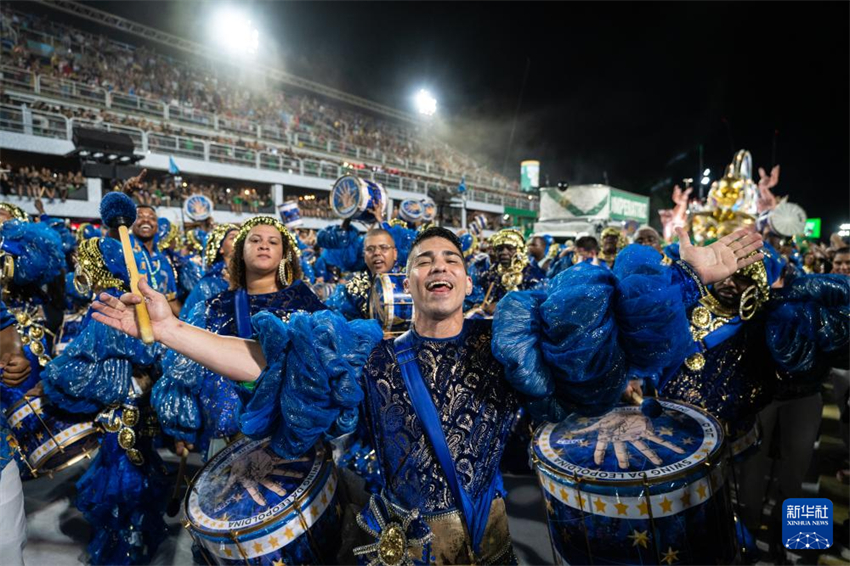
626 489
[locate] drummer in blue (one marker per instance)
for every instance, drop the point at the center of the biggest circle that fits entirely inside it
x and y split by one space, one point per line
440 400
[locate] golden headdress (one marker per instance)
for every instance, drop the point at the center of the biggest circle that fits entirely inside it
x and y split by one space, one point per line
214 240
91 273
16 211
268 221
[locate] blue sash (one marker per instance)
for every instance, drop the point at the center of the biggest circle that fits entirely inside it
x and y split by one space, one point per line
243 314
475 512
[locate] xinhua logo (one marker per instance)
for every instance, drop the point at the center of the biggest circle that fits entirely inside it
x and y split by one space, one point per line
807 523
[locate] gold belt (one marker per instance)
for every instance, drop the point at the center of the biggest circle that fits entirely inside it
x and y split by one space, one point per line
450 544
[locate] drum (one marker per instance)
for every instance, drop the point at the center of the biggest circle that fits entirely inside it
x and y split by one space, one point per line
429 209
290 214
249 506
353 197
390 304
626 489
49 439
411 210
744 441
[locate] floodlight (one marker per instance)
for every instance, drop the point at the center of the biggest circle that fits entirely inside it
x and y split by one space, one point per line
425 103
234 31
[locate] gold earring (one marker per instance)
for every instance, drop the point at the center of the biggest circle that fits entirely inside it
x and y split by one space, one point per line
285 272
749 303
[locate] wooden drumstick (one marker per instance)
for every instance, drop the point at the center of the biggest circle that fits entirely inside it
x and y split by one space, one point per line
174 504
118 212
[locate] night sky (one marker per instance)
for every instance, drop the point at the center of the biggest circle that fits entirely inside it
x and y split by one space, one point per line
624 90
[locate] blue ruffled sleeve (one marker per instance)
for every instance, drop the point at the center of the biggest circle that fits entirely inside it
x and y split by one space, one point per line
310 388
652 301
560 347
573 346
96 368
809 323
175 394
403 239
343 302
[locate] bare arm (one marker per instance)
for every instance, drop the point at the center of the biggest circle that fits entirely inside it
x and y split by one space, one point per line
234 358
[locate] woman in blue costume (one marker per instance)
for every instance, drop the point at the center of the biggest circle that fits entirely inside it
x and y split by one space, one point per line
217 253
440 400
30 261
124 492
196 405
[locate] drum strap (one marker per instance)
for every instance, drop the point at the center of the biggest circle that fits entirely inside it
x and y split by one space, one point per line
475 513
243 314
711 340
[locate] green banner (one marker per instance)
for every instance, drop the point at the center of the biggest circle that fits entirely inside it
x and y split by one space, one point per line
628 206
812 228
520 212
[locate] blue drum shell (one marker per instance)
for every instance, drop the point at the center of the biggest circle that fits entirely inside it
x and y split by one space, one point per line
390 304
49 439
678 510
290 213
302 526
353 197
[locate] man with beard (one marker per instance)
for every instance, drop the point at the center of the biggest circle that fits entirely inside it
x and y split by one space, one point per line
759 341
511 271
148 257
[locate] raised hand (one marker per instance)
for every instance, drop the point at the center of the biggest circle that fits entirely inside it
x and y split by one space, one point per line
722 258
681 197
766 199
120 314
134 183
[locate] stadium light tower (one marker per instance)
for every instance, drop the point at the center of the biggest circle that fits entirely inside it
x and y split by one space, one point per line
425 103
232 30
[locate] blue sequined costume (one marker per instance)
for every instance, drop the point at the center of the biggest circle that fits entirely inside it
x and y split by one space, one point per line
210 285
564 349
197 405
124 492
156 266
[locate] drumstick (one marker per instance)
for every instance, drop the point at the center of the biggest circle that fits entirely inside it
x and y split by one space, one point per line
174 504
487 295
118 211
649 406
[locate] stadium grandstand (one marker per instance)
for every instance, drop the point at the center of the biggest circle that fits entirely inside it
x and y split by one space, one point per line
249 149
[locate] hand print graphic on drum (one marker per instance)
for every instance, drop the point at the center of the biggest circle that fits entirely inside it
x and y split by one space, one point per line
249 506
643 501
619 427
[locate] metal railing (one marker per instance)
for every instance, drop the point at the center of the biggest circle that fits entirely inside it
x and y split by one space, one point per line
22 119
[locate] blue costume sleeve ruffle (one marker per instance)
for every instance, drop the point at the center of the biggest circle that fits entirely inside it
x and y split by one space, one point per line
310 388
810 321
572 347
560 348
175 394
95 369
651 311
37 250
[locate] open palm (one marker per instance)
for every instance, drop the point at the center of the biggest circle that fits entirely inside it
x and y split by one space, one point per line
722 258
120 314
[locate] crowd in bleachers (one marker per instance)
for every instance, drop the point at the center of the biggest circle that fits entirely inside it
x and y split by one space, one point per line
34 182
50 48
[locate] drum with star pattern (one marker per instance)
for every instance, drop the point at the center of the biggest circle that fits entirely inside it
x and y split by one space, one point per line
249 506
623 488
